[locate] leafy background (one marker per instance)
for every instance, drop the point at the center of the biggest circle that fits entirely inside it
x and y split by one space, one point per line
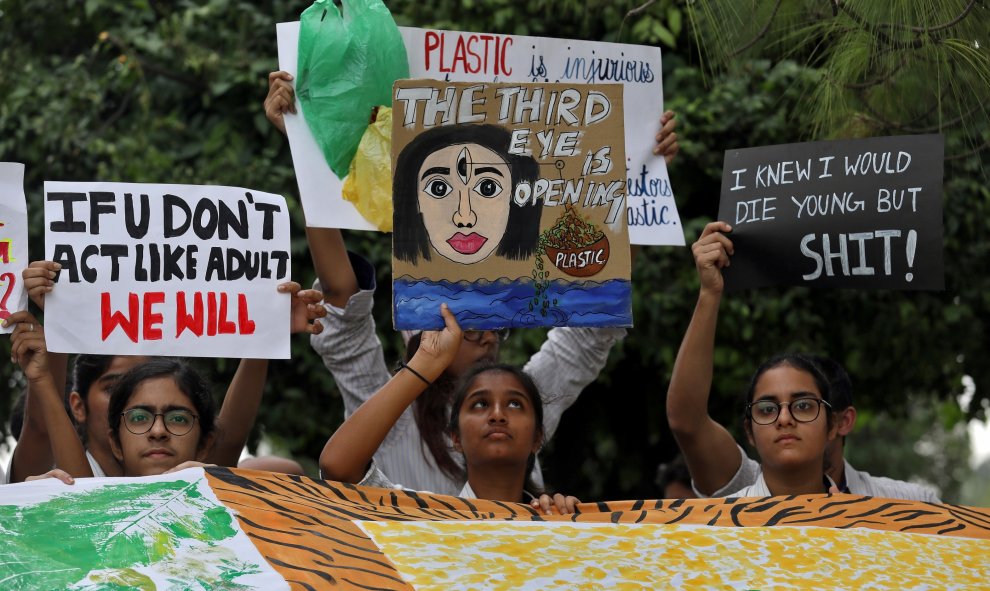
171 92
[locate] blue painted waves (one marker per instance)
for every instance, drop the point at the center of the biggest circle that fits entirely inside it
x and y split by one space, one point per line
484 305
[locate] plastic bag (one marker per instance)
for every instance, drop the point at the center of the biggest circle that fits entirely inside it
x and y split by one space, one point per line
349 57
369 184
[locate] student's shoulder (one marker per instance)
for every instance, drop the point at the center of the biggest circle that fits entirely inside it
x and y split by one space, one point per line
891 488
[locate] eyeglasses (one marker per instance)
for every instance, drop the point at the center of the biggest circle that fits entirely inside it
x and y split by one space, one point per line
473 336
804 410
177 422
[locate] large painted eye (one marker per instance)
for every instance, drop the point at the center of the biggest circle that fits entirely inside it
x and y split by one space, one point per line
488 188
438 188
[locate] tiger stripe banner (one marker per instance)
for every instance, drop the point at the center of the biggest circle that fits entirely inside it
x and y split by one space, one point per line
239 529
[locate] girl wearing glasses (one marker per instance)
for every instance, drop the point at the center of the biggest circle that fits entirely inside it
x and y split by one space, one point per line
787 418
92 379
160 412
495 423
161 418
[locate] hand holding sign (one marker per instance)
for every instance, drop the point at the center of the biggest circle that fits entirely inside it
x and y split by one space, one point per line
711 255
307 306
39 279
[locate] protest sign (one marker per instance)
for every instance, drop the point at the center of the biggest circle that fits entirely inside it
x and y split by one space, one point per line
167 270
509 205
864 213
455 56
13 240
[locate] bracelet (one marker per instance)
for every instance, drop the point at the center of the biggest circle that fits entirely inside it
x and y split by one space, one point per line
403 365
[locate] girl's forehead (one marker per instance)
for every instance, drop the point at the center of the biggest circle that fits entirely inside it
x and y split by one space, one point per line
159 391
499 377
785 382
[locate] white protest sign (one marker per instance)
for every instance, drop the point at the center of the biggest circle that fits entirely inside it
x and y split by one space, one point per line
167 270
482 57
13 240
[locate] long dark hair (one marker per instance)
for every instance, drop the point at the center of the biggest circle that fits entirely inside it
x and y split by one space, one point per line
410 239
185 377
430 411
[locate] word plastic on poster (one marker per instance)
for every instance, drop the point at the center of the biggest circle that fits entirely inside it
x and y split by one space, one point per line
13 240
863 213
456 56
167 270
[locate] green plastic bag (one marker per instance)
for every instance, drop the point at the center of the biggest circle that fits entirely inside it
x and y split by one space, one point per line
349 57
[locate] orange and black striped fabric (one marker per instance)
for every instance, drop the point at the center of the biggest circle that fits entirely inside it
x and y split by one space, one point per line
309 530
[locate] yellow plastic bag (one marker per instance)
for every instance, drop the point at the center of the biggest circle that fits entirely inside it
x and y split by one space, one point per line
369 183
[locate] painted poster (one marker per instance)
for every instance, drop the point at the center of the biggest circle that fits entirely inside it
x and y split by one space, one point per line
456 56
162 532
13 240
239 529
166 270
509 205
861 214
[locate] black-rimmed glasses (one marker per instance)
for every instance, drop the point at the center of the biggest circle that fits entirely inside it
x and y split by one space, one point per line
804 410
473 336
177 422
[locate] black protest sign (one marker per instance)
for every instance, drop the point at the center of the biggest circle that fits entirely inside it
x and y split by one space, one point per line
863 213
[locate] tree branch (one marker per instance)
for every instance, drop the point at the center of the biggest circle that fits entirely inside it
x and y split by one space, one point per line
760 34
926 30
920 32
633 12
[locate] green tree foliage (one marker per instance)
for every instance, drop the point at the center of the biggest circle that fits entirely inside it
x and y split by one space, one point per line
147 91
872 56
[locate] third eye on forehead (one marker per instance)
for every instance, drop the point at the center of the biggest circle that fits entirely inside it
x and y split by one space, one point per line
463 165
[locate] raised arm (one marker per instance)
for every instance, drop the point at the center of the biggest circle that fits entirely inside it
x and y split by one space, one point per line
332 264
45 402
326 245
349 451
39 280
708 448
33 454
240 404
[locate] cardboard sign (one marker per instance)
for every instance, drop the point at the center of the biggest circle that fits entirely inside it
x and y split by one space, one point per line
455 56
509 205
863 213
13 240
167 270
